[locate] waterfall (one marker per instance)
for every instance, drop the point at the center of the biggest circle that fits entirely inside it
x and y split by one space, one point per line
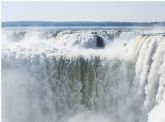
83 76
149 53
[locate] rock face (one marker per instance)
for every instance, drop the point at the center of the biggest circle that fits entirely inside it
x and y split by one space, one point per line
99 42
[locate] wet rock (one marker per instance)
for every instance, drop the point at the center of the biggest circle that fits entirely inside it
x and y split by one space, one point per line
99 42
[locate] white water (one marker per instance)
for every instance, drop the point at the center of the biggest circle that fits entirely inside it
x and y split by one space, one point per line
83 76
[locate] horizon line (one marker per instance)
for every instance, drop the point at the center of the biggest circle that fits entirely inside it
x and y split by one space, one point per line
85 21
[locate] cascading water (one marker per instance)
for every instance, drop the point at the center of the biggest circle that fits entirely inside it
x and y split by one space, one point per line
82 76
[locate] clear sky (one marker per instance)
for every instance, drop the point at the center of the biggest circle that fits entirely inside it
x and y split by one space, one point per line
83 11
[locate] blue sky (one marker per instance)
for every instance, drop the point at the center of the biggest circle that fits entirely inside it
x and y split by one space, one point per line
83 11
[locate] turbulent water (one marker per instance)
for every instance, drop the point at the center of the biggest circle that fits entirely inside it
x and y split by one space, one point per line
100 75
